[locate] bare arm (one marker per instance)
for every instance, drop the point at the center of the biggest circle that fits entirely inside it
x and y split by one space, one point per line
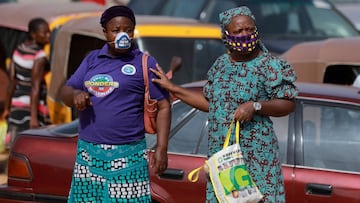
163 121
12 84
193 98
37 74
275 107
75 98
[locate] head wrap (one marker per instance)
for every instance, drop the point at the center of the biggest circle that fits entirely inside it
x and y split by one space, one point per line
116 11
226 16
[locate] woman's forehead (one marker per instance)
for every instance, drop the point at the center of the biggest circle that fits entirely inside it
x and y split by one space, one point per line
120 21
241 21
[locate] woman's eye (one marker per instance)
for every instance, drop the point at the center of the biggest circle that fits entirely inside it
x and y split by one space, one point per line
129 30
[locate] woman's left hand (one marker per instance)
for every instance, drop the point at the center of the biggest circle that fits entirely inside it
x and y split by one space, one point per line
159 160
244 112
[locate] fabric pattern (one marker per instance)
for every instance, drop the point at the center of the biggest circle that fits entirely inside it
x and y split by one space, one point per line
23 58
110 173
226 16
232 83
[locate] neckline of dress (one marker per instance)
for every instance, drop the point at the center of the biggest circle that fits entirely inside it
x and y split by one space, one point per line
257 58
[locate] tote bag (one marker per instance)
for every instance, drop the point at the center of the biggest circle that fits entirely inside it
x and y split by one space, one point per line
229 176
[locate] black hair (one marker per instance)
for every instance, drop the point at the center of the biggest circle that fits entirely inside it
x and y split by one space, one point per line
34 25
115 11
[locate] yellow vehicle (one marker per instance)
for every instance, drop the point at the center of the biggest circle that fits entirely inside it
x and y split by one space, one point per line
15 17
196 43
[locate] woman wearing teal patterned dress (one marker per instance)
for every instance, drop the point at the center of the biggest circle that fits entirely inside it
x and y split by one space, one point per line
250 85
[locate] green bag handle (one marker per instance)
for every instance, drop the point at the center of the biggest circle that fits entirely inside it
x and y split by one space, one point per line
194 174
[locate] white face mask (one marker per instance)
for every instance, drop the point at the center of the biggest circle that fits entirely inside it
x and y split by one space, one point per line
122 41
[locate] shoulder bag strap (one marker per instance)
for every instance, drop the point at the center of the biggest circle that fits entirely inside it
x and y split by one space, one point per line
145 71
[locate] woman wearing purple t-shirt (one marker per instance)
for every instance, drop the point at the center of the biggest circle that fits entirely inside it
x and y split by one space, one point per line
107 89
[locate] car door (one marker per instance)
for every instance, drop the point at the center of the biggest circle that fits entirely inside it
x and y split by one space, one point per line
328 147
186 151
284 128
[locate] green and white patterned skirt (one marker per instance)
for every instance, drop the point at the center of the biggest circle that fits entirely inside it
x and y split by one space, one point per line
110 173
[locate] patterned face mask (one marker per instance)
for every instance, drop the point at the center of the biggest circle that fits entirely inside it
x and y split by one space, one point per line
244 43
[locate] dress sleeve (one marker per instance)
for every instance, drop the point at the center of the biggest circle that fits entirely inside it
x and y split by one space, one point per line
280 79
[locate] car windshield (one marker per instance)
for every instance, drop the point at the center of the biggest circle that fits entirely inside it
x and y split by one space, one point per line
277 19
197 55
293 19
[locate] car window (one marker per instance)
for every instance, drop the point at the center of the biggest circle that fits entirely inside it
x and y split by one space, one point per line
334 26
11 38
341 74
331 137
281 128
146 7
189 136
183 8
197 55
301 20
219 6
87 44
179 112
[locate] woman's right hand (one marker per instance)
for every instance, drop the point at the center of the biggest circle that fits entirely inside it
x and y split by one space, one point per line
162 79
81 100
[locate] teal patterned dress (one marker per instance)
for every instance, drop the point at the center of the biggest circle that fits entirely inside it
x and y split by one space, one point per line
233 83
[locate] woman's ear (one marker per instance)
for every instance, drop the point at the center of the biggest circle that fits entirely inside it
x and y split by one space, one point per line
32 35
104 31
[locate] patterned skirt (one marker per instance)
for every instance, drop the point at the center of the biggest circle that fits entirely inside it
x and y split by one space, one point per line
110 173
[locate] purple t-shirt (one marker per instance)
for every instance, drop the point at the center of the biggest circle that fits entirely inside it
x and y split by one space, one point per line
116 88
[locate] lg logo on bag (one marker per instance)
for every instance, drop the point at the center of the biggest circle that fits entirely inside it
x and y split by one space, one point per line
235 178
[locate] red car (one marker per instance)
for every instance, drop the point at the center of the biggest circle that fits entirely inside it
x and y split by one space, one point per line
319 145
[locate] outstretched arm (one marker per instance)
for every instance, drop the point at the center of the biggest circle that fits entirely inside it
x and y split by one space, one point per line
191 97
275 107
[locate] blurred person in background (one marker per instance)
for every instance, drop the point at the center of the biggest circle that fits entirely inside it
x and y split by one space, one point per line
27 70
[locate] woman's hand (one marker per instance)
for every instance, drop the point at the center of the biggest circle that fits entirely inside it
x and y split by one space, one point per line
162 79
81 100
245 112
159 160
